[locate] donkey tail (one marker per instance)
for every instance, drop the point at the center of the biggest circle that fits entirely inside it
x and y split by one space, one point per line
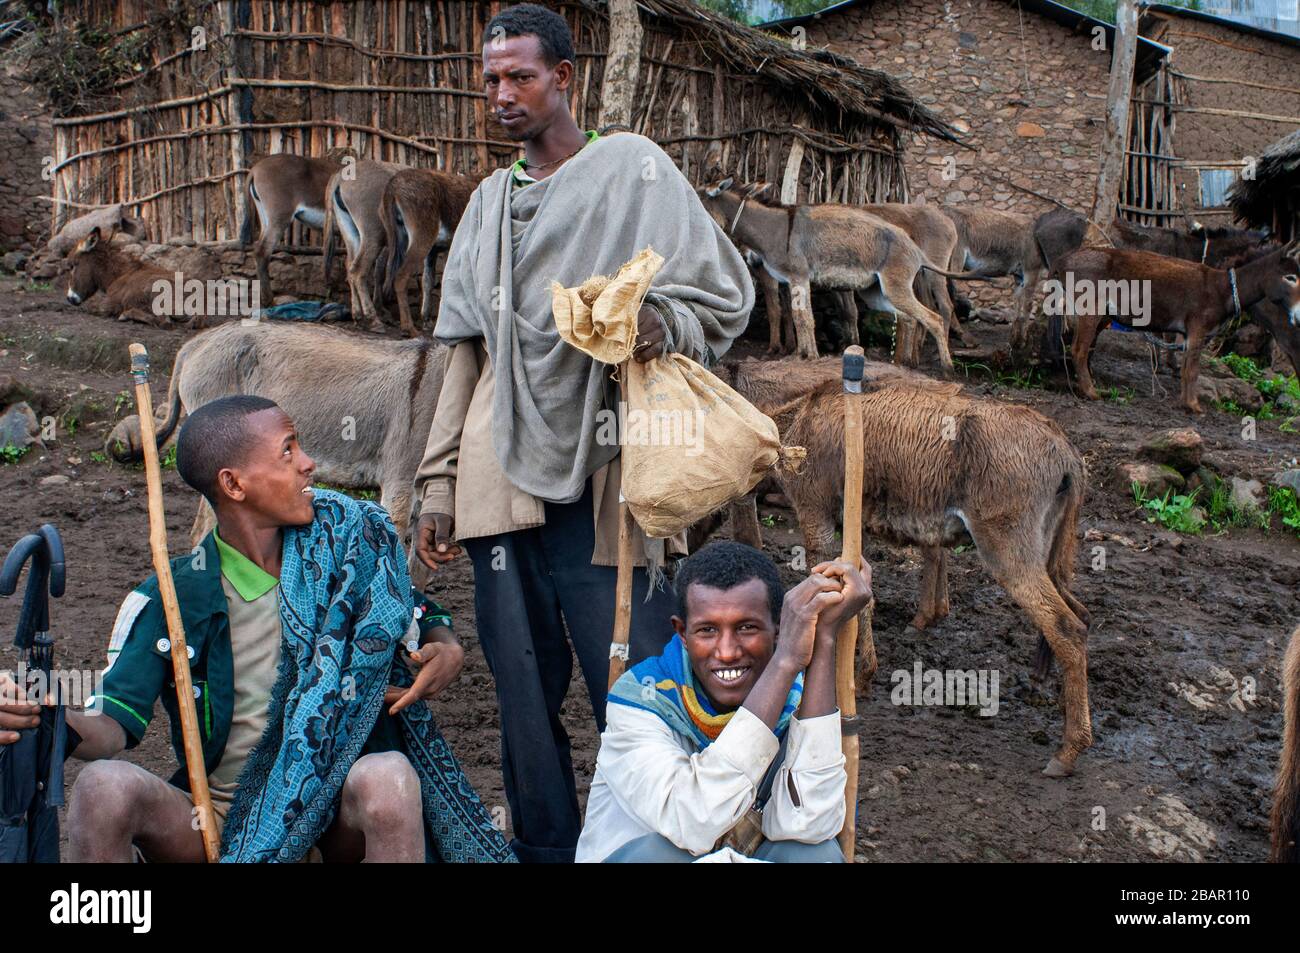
246 226
394 238
960 275
1064 546
132 451
1286 796
327 255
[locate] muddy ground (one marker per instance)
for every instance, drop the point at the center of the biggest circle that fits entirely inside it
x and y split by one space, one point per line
1184 753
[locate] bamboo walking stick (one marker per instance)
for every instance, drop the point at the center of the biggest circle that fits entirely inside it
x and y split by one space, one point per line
846 643
171 608
618 646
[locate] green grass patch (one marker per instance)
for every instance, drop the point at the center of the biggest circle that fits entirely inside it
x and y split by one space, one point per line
10 453
1175 511
370 495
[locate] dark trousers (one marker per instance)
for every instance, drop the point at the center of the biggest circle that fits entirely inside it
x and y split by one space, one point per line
530 587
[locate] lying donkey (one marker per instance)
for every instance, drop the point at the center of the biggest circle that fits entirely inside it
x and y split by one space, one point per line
129 284
835 246
1184 297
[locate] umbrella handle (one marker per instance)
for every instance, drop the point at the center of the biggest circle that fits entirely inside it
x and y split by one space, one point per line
34 616
48 576
58 569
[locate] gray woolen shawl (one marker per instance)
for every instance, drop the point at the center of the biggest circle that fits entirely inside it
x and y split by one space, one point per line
615 197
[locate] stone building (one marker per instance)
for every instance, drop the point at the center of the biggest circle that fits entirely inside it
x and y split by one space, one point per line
1025 82
25 144
1233 89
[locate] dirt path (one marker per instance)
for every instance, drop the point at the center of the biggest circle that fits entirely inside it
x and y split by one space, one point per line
1182 765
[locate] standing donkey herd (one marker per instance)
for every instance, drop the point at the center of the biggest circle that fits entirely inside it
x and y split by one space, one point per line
943 468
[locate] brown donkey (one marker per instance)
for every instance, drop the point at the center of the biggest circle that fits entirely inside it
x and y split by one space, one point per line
833 246
942 468
420 210
1180 296
127 282
352 202
281 189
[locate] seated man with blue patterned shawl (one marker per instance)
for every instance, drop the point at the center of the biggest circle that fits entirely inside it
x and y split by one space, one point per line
727 746
301 624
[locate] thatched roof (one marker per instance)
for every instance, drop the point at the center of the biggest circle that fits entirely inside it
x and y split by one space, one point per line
827 80
1277 171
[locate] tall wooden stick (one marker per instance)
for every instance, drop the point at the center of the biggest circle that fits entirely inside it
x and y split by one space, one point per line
1118 94
618 647
171 608
846 643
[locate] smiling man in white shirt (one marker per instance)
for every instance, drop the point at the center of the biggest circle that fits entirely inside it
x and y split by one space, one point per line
734 727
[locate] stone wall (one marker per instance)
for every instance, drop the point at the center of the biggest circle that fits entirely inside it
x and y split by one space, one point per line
1220 52
1031 101
25 141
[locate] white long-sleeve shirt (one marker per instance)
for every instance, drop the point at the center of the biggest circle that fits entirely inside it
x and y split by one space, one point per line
652 780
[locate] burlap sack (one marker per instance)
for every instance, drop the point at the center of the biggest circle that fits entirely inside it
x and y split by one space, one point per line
690 443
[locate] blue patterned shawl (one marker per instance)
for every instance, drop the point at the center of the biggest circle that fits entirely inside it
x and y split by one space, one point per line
345 604
665 685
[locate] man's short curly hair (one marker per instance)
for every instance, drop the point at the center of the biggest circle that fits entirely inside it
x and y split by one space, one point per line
529 19
725 565
215 436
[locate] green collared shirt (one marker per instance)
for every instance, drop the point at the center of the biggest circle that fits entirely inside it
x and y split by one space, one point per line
250 580
522 178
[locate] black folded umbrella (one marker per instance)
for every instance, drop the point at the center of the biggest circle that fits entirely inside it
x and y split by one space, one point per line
31 769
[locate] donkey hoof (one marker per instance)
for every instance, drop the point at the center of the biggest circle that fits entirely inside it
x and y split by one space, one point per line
1056 768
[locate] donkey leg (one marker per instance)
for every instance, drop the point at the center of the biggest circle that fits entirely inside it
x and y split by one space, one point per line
204 522
1085 334
900 293
772 304
941 585
427 281
744 521
401 281
805 331
848 313
927 612
1192 369
359 271
1036 594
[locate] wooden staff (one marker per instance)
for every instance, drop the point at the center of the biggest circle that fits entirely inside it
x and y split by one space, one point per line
194 762
618 646
847 641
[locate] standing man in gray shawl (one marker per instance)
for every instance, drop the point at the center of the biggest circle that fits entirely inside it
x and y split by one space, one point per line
513 469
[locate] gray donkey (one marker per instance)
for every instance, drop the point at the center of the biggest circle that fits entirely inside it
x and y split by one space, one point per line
833 246
362 406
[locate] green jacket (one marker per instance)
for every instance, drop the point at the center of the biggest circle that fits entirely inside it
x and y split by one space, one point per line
140 667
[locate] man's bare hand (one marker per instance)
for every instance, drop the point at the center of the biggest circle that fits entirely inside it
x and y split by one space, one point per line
856 589
16 712
803 607
439 665
650 335
433 542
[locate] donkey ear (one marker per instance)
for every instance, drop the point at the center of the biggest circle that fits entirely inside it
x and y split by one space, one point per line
91 240
724 184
